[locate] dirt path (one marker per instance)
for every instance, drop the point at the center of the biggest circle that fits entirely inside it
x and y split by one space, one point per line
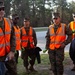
67 70
44 69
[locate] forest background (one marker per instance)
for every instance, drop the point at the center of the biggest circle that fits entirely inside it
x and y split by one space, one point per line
40 11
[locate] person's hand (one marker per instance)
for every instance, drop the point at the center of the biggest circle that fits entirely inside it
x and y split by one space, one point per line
11 55
22 49
62 45
44 51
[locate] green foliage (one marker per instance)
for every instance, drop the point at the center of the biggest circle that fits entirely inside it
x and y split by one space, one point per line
40 11
7 7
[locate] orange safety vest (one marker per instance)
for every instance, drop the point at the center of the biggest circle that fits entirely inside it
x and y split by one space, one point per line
18 40
5 38
56 39
26 38
72 26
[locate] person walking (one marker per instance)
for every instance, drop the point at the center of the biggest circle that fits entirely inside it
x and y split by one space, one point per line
56 42
11 64
29 42
6 40
72 49
15 20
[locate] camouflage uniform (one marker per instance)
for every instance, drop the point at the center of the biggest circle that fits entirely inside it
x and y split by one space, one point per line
56 56
11 68
28 54
15 22
3 26
11 64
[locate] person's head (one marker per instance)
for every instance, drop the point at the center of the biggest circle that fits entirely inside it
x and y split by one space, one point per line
26 22
56 18
15 18
73 16
2 12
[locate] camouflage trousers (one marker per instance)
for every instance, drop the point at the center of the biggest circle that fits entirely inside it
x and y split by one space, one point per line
28 57
56 58
11 67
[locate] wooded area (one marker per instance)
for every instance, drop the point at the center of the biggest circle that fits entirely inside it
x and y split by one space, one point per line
40 11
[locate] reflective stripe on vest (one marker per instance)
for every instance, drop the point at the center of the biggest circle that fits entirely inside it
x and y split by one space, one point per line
56 39
18 40
26 38
7 34
5 38
72 26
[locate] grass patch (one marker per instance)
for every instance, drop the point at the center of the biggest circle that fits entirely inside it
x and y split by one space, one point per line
43 68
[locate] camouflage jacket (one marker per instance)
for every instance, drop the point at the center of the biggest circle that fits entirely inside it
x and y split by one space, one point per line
68 32
12 40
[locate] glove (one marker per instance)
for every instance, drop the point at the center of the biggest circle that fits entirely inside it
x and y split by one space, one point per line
44 51
22 49
73 31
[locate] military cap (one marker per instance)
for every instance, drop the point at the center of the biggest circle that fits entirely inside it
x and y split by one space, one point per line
1 4
15 16
26 19
55 15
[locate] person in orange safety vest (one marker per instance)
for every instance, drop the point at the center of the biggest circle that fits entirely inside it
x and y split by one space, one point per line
28 42
15 19
55 43
16 31
7 41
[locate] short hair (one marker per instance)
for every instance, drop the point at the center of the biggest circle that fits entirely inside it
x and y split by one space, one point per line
26 19
55 15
